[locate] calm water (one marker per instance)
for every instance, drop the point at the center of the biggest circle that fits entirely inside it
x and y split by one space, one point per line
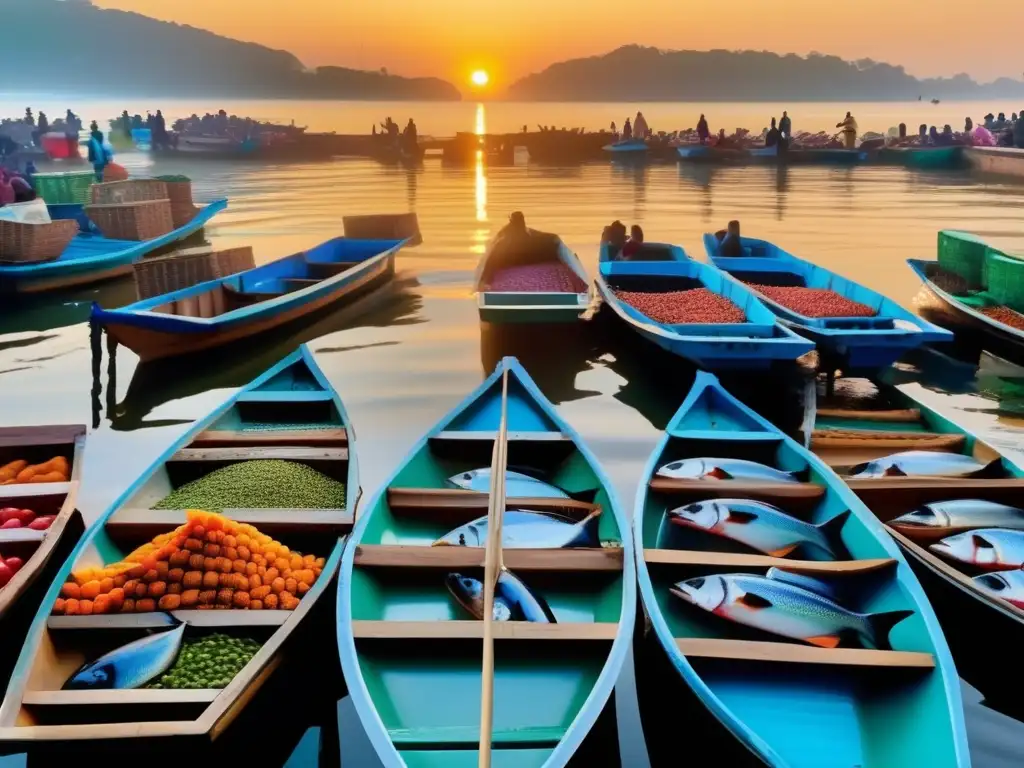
405 356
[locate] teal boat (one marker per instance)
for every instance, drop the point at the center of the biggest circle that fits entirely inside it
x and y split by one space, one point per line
760 698
926 158
868 420
288 413
91 258
411 654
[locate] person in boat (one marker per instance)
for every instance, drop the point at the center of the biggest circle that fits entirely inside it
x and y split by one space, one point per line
615 131
990 121
849 130
634 244
627 130
29 120
785 131
98 154
968 125
1018 132
410 137
922 133
729 241
23 191
901 132
703 132
614 236
159 130
771 138
640 129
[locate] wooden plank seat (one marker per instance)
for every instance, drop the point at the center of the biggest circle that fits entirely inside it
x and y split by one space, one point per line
749 650
503 630
733 560
453 558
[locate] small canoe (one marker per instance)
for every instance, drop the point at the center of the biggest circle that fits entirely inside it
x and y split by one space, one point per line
91 258
627 147
411 654
874 420
828 156
57 499
756 342
290 413
233 308
854 343
705 153
545 282
757 697
926 157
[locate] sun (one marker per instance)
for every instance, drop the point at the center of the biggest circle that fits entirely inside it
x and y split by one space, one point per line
480 78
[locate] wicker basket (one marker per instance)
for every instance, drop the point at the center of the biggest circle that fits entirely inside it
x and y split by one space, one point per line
185 268
142 220
64 188
387 226
22 243
128 191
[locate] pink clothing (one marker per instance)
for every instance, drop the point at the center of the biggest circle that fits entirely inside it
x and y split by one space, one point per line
982 137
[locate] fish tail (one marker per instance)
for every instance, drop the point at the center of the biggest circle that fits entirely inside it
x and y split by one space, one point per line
587 535
994 469
831 532
879 625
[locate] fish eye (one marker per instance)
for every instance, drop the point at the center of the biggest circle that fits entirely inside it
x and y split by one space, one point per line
696 583
674 465
101 674
993 582
923 512
467 583
467 476
696 507
982 542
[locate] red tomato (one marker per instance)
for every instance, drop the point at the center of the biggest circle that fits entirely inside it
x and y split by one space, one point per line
41 523
7 513
25 515
14 563
12 523
6 574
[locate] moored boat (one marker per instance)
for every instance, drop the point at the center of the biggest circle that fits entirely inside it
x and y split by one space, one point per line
869 421
534 280
770 526
701 153
410 647
854 327
925 158
281 455
631 147
92 258
745 336
228 309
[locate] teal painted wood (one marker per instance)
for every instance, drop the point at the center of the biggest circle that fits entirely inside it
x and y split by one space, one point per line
528 410
96 535
792 715
757 343
627 147
91 258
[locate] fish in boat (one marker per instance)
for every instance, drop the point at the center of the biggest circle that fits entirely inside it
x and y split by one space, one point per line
521 529
779 606
960 513
517 485
513 600
132 665
760 526
725 469
1007 585
992 549
925 464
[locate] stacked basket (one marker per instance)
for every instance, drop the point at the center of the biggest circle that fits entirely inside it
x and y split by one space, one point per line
179 192
136 209
31 243
188 267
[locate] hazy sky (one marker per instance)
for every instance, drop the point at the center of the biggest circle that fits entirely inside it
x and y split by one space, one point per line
450 38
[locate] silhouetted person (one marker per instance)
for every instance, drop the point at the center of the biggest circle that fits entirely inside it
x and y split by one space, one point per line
703 132
1018 132
640 129
771 139
933 136
922 133
44 123
627 130
902 131
411 136
635 242
29 120
98 155
968 125
849 130
786 127
730 242
615 236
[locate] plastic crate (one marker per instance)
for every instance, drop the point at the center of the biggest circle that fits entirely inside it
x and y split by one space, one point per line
1006 280
964 255
69 187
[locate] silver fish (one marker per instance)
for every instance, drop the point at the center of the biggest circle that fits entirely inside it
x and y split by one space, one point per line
1006 585
132 665
961 513
517 485
779 606
760 526
513 600
725 469
925 464
521 529
992 549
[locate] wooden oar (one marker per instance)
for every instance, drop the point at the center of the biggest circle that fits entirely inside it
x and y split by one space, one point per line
493 564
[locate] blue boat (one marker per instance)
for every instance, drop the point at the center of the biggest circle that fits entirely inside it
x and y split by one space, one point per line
411 653
705 153
91 258
291 413
229 309
862 344
759 342
754 696
627 147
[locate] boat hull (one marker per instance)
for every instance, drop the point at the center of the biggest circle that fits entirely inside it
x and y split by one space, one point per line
532 308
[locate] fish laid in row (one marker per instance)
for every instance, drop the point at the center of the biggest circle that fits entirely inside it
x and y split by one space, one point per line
1006 585
991 549
790 605
926 464
513 600
960 513
132 665
758 525
521 529
726 469
517 484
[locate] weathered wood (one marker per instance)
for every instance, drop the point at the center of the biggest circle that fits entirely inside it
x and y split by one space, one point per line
139 523
455 502
286 452
133 697
21 534
852 438
503 630
558 560
739 489
32 489
489 436
713 648
227 437
901 415
56 434
157 620
732 560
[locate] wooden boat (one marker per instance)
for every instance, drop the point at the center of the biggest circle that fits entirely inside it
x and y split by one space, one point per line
238 306
536 306
631 147
35 548
865 344
854 427
291 413
1003 339
411 655
759 698
700 153
925 157
759 342
91 258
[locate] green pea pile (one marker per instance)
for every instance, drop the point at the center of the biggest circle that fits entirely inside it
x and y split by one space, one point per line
208 662
173 177
259 484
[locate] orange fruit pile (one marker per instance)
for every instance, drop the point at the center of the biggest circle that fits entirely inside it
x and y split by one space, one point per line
210 562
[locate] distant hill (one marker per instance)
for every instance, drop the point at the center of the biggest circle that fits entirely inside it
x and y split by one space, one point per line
635 73
71 46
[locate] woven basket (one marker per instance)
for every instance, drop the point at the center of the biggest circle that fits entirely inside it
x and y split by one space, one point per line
128 191
185 268
386 226
64 188
22 243
142 220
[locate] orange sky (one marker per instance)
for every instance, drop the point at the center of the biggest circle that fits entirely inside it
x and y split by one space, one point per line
449 38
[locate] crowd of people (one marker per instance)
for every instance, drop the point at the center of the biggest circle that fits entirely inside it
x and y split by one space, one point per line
406 139
28 131
156 124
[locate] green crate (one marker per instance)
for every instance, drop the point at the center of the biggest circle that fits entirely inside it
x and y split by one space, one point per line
68 188
1006 280
964 255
